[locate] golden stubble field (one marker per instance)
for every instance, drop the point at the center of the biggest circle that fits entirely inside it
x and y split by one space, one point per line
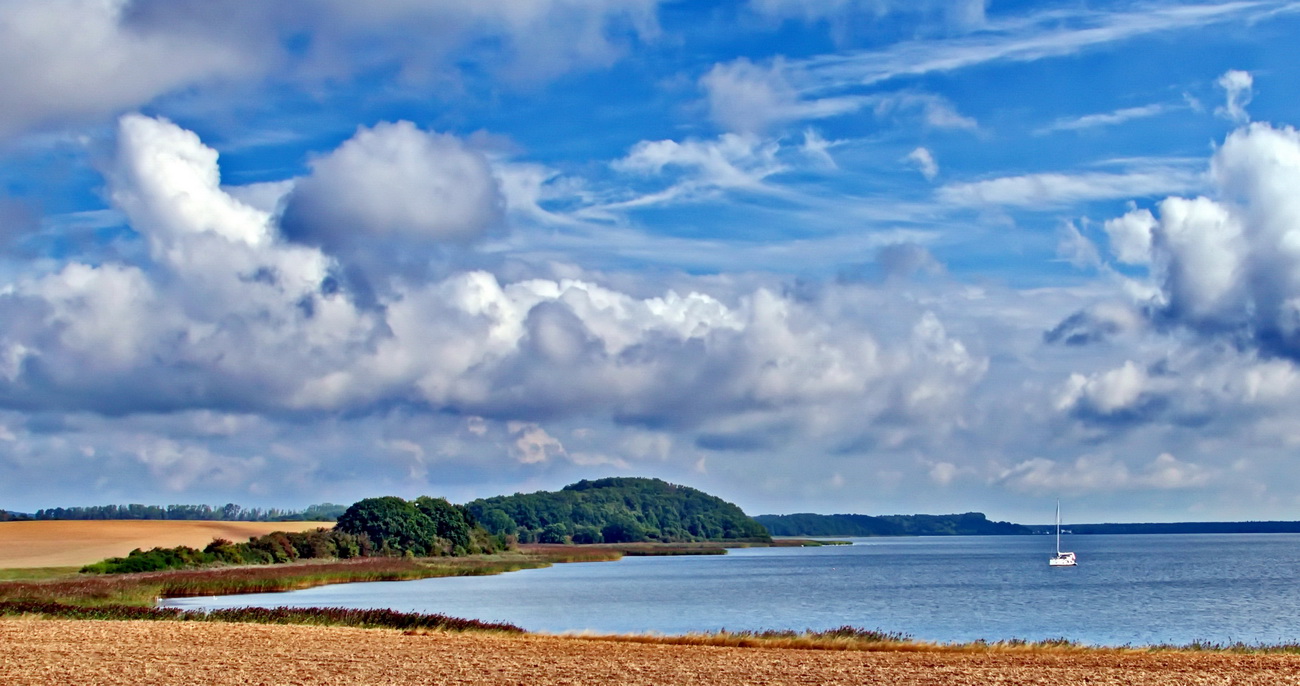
74 543
40 651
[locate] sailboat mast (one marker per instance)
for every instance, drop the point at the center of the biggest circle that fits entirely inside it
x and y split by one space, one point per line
1058 527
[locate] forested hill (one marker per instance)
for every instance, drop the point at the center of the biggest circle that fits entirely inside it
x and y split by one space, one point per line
616 510
969 524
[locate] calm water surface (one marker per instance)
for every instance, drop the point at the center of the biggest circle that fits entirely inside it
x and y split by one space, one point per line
1133 589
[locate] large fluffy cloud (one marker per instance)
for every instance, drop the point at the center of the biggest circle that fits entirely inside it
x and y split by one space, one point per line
226 315
69 60
392 193
1229 264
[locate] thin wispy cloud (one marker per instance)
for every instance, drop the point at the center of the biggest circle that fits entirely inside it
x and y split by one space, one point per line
1053 190
1053 33
1115 118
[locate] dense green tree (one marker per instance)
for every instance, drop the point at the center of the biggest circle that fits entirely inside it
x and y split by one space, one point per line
390 523
497 521
586 533
554 533
451 525
618 510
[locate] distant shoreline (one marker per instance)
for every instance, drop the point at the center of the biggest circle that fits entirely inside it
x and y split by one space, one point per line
976 524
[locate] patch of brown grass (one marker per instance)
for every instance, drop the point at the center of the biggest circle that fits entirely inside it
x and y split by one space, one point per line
63 543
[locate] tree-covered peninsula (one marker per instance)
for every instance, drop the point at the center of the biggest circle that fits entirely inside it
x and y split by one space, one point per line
616 510
968 524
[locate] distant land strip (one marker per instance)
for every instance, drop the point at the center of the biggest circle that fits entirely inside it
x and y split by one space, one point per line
977 524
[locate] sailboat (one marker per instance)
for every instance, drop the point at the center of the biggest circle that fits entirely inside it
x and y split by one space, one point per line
1061 559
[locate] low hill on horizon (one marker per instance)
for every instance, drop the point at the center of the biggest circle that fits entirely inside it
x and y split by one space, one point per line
809 524
977 524
1245 527
616 510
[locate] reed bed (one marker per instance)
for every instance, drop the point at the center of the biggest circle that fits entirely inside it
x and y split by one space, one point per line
850 638
563 554
841 638
1292 648
146 588
604 552
318 616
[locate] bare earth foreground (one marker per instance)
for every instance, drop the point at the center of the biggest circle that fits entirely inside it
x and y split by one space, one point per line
41 651
75 543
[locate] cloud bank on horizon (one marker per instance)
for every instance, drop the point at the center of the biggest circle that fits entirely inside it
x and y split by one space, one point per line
837 257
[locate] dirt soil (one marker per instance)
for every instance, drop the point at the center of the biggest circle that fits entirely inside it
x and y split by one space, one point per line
40 651
73 543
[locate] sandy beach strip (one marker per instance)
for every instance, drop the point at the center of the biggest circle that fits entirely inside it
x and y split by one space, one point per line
43 651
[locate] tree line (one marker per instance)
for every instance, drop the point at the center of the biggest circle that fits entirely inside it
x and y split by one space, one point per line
616 510
967 524
386 526
324 512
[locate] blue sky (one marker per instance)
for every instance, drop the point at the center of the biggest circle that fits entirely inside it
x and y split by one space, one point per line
848 256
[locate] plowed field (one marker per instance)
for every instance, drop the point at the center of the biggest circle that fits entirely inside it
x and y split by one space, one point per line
68 543
38 651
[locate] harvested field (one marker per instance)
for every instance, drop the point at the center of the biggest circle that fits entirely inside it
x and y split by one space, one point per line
40 651
74 543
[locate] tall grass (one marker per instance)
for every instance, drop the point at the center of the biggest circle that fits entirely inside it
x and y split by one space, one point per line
146 588
321 616
35 573
851 638
601 552
841 638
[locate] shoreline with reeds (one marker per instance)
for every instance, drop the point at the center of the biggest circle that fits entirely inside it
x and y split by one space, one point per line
125 597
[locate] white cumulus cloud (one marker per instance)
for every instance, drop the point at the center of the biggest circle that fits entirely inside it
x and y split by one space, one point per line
392 190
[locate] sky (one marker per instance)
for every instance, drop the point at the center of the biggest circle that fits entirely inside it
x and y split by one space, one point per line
870 256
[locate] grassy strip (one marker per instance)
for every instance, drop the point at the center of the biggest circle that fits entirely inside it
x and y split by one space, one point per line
35 573
321 616
599 552
805 542
146 588
850 638
1238 647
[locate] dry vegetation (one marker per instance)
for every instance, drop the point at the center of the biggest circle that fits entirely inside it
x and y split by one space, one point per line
39 651
75 543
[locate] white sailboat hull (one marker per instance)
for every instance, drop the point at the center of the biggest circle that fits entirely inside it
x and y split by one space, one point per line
1063 560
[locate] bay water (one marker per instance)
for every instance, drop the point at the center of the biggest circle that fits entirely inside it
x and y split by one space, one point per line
1127 590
